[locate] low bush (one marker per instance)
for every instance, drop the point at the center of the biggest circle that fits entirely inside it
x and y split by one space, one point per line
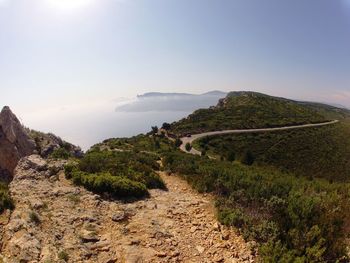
60 153
121 174
117 186
178 142
248 158
34 217
188 147
63 255
6 201
154 143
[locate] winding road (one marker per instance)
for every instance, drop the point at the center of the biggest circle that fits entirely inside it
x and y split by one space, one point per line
194 137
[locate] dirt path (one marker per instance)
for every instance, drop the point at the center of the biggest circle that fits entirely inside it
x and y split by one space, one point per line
178 225
194 137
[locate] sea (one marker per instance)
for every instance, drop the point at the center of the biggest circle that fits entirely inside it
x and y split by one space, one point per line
86 125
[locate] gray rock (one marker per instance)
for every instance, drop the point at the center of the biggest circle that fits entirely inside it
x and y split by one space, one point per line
119 216
89 236
36 203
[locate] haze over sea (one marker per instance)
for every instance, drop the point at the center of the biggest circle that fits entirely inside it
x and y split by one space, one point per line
93 122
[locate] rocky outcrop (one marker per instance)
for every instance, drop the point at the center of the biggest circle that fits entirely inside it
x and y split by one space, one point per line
15 142
47 143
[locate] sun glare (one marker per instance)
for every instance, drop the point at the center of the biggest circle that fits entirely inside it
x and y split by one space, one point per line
3 2
69 4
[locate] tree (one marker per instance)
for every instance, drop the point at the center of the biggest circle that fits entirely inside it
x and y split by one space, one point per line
157 144
188 147
178 142
248 158
166 126
231 156
154 129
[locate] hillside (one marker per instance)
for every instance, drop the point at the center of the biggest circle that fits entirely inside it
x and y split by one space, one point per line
129 200
247 110
322 152
277 209
92 210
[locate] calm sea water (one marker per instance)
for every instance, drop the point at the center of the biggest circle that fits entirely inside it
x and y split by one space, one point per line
88 125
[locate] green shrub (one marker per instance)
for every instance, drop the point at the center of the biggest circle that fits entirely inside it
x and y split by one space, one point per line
157 144
233 217
231 156
6 201
34 217
69 169
63 255
166 126
138 143
188 147
154 130
60 153
178 142
117 186
247 158
263 232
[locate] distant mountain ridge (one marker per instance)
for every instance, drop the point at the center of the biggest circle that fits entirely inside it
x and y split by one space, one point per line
162 94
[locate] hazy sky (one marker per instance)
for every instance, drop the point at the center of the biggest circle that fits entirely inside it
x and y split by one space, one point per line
58 52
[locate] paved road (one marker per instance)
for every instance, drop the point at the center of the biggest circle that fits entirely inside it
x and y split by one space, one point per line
194 137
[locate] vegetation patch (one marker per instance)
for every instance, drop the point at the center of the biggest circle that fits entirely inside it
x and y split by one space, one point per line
122 174
293 218
150 143
34 217
322 152
249 110
61 153
63 255
6 201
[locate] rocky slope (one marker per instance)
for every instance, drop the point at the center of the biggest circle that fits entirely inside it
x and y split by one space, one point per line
55 221
15 143
47 143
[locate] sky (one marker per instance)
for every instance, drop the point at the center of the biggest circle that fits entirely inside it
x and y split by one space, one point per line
55 53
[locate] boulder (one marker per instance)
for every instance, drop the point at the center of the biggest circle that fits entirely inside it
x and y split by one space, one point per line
119 216
89 236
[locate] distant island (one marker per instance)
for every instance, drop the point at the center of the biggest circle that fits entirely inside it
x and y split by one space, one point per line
157 101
